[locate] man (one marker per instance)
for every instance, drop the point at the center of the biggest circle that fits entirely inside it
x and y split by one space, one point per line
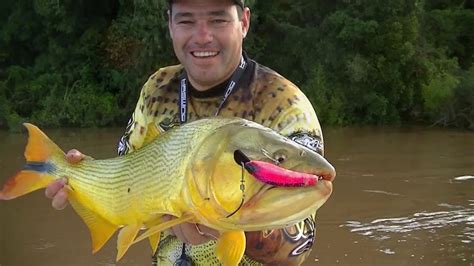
216 78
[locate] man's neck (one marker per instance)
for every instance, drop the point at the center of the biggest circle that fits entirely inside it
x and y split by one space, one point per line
205 87
217 90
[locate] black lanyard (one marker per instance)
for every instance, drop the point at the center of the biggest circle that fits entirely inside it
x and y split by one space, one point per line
183 93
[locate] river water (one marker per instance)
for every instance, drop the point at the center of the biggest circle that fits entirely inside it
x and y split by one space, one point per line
402 196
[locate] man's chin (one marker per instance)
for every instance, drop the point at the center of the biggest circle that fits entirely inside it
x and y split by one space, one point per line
204 79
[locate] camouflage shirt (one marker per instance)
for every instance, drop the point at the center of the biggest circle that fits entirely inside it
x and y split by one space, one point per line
262 96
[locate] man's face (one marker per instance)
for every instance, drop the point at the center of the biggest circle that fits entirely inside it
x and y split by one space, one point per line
207 39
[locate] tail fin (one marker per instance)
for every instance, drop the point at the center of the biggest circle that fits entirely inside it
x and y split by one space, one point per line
37 172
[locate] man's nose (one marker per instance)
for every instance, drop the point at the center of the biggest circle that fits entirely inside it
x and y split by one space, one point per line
203 34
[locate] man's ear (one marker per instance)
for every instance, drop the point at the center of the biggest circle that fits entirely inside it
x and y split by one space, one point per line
169 23
245 21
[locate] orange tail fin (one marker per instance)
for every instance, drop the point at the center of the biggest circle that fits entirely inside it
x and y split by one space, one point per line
38 170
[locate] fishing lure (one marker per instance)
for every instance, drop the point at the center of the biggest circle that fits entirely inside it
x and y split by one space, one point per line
272 174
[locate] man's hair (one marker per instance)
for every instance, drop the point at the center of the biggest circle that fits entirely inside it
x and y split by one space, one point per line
240 8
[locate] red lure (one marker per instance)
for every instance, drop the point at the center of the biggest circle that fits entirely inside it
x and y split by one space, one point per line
272 174
269 173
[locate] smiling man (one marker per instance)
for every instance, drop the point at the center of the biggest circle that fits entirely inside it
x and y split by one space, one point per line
217 78
208 41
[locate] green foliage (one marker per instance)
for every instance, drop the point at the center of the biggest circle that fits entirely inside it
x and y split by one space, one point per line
327 103
463 103
373 62
78 63
441 87
82 63
449 100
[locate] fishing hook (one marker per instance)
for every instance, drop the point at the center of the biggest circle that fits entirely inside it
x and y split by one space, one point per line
242 188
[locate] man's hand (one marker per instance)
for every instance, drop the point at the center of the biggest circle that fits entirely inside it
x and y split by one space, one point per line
56 190
191 233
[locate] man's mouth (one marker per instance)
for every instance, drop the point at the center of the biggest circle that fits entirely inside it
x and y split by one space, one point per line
204 54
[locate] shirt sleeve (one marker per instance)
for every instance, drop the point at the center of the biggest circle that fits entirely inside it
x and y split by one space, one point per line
135 131
299 122
142 127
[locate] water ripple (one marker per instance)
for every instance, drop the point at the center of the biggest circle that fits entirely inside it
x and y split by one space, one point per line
462 178
429 221
382 192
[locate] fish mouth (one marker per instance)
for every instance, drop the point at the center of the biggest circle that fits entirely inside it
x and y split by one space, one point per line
322 174
314 179
273 174
325 176
267 187
275 206
257 196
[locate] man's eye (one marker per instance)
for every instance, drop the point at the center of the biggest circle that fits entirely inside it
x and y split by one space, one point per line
185 22
219 21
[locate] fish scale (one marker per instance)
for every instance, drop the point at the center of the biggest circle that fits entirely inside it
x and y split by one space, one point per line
109 189
106 187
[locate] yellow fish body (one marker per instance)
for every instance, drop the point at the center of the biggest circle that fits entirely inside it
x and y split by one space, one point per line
190 173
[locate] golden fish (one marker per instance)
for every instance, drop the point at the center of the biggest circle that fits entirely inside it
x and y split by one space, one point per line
195 173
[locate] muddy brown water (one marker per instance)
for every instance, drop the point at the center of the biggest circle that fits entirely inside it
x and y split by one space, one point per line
402 196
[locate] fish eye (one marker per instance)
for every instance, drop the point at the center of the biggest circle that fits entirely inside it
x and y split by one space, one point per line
281 159
280 156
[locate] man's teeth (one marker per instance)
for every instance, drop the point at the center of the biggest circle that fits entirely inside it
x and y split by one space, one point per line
204 54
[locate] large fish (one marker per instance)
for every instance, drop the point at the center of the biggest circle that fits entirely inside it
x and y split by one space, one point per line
232 175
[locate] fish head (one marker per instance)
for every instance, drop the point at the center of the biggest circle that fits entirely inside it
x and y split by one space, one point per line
228 196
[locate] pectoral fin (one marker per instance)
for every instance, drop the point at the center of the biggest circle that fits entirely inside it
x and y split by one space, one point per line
154 241
101 230
230 247
163 226
125 239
